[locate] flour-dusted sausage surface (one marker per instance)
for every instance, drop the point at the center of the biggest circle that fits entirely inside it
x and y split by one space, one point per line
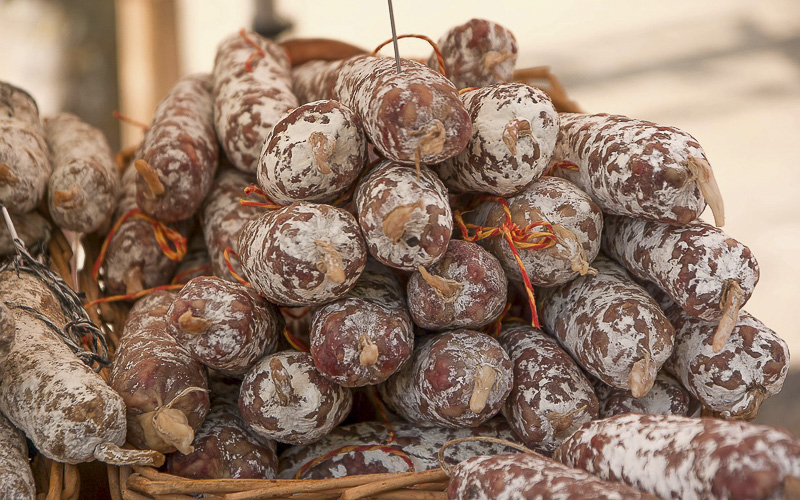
365 336
196 262
303 254
637 168
247 104
551 397
24 156
667 397
454 379
225 326
16 477
467 288
477 53
313 154
283 397
532 477
610 325
32 229
514 131
577 223
314 80
705 271
84 186
679 457
419 445
164 388
406 222
222 217
180 152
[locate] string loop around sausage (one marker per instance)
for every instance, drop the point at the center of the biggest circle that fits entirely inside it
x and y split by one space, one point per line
439 57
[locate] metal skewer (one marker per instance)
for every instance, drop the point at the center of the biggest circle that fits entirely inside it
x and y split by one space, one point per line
11 229
394 37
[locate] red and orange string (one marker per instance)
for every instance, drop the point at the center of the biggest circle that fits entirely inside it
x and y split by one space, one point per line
179 278
566 165
439 57
267 203
259 52
131 296
517 238
467 89
127 119
226 254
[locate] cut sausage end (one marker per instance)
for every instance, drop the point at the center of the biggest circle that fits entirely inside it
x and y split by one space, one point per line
394 225
150 176
757 396
172 426
485 377
701 170
562 422
133 280
321 151
731 303
445 288
7 175
331 263
188 322
641 377
513 131
114 455
69 198
282 381
368 355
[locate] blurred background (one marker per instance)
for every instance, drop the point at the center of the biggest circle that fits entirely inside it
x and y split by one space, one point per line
726 71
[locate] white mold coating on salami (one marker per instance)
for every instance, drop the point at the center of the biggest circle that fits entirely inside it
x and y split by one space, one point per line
667 397
477 53
16 477
477 293
313 154
552 200
283 397
514 131
733 382
248 104
679 457
691 263
403 114
632 167
416 213
287 253
24 156
226 326
608 323
439 383
63 407
84 170
314 80
420 444
551 397
181 147
222 217
532 477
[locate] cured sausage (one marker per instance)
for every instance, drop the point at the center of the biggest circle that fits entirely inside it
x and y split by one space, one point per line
678 457
16 477
24 156
638 168
667 397
84 186
33 229
611 326
252 91
180 152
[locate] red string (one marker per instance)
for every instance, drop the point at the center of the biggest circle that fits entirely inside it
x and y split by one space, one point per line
131 296
439 58
268 203
127 119
227 253
259 52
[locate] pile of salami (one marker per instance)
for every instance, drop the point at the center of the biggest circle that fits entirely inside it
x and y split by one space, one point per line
366 263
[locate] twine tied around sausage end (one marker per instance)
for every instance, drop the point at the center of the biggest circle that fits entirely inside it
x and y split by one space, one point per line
449 470
517 238
258 52
267 203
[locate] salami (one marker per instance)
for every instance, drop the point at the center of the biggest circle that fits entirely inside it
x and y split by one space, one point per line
303 254
16 477
551 397
180 152
705 271
225 326
611 326
283 397
477 53
365 336
33 229
406 220
24 156
467 288
576 222
678 457
313 154
222 217
667 397
514 131
530 476
164 388
84 186
454 379
638 168
252 91
195 263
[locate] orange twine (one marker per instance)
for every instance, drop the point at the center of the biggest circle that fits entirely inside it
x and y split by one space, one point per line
296 343
253 189
131 296
163 234
439 57
227 256
178 279
127 119
258 53
467 89
567 165
517 238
